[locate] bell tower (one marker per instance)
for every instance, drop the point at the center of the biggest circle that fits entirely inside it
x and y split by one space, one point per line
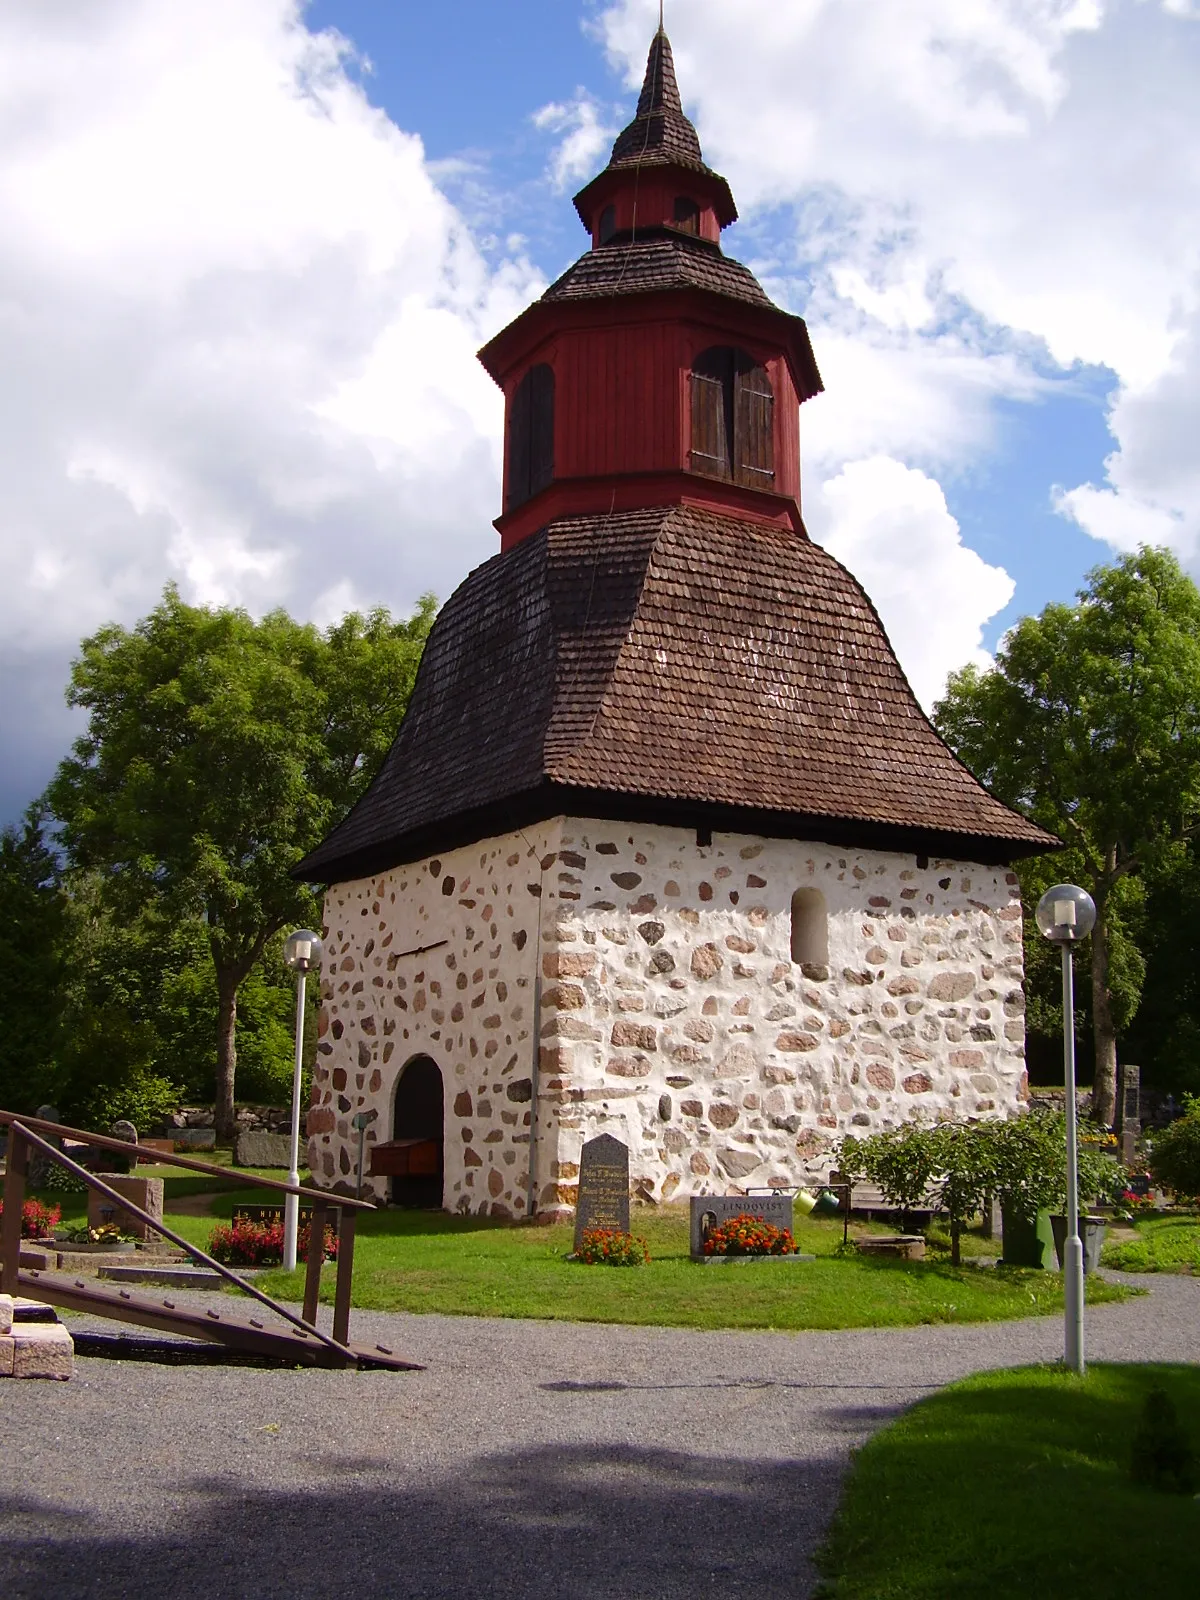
655 371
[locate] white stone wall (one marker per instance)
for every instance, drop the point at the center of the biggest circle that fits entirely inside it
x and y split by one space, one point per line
670 1012
674 1018
468 1003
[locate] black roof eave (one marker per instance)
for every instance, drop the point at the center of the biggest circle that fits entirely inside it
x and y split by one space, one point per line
557 799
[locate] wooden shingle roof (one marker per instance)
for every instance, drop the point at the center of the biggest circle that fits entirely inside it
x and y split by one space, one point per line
661 261
667 664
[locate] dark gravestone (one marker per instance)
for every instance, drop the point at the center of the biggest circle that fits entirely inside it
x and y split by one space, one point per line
40 1165
709 1211
603 1187
1131 1099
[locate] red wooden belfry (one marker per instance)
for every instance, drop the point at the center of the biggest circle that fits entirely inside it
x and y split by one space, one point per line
656 371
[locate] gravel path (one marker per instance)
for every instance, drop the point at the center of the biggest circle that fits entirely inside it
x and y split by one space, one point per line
530 1461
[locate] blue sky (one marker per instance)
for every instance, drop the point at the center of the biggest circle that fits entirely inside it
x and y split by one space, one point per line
245 262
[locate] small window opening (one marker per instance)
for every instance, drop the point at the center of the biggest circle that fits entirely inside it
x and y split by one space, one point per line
530 436
608 224
810 929
703 837
687 214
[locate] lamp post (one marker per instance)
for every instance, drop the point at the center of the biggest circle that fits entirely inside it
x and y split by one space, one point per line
1066 914
302 953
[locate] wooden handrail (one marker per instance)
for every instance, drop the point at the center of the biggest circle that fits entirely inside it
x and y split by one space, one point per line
123 1202
104 1142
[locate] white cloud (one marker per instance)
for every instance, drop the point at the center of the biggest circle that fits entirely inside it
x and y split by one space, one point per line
1152 493
978 189
586 136
238 324
890 525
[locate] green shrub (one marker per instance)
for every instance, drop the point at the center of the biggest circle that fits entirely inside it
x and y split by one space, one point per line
1162 1457
1175 1153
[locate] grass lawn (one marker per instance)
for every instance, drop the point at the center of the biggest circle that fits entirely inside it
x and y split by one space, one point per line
473 1266
1164 1244
1017 1484
428 1261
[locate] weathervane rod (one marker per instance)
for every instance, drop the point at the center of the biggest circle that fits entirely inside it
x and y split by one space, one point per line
660 15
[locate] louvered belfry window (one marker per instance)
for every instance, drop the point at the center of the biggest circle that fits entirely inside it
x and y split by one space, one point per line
732 418
530 436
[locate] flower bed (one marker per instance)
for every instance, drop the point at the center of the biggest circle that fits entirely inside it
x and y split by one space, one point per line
38 1221
604 1247
748 1235
260 1244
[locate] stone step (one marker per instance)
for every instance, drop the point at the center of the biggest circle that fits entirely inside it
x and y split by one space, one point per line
33 1343
171 1276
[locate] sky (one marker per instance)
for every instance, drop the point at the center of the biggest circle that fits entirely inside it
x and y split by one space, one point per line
248 249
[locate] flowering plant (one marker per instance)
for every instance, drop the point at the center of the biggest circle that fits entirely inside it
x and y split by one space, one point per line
260 1244
604 1247
747 1235
1132 1204
38 1221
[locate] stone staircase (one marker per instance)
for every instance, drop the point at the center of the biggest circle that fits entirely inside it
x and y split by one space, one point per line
33 1342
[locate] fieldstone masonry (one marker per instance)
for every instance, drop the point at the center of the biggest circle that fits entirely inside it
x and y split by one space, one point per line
651 976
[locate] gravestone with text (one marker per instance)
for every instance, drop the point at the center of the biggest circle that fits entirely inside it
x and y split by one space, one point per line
603 1187
711 1210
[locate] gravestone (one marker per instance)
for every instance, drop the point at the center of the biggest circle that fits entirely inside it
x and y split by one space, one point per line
262 1150
1131 1099
710 1211
269 1216
603 1187
195 1138
41 1165
144 1192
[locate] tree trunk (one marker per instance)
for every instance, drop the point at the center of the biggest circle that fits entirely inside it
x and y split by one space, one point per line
1104 1084
227 988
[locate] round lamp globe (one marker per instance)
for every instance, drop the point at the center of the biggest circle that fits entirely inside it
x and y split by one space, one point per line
303 951
1065 914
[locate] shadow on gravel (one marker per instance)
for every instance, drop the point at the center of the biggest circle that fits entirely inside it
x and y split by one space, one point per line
639 1524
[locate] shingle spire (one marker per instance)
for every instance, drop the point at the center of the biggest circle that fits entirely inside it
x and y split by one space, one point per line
660 92
659 129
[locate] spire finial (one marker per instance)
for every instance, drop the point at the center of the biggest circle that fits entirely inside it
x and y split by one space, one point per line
661 24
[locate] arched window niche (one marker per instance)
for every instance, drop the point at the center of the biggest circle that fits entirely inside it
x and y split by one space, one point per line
810 930
733 418
530 436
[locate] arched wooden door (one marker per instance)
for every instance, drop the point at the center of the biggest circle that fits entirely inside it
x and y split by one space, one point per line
418 1115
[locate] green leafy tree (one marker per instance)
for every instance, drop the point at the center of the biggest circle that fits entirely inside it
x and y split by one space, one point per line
1090 723
34 944
218 751
964 1173
901 1162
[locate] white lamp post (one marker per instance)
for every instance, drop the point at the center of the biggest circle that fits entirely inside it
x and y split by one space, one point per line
1066 914
302 953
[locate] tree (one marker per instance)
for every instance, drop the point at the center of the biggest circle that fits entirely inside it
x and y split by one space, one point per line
1090 722
219 750
33 953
